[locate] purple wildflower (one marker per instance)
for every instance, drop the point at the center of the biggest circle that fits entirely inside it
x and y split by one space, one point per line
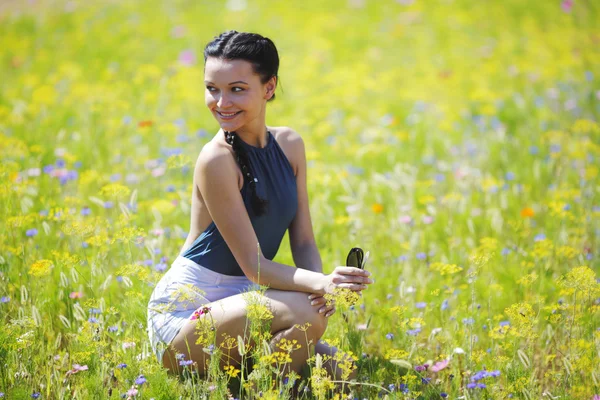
413 332
185 363
389 336
421 256
122 365
4 299
471 385
421 304
140 380
31 232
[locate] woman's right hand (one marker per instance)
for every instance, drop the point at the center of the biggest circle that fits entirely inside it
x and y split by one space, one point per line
351 278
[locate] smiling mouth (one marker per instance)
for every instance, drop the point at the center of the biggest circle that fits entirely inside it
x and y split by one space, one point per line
225 115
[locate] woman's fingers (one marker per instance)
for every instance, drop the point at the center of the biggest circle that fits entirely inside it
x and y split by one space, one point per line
352 271
318 301
356 287
352 279
327 310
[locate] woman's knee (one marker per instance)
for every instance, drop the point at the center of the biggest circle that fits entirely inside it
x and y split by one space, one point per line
294 308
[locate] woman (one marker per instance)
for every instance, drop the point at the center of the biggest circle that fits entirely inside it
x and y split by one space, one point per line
249 188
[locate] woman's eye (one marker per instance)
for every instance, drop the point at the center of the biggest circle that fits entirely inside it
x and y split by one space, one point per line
211 89
237 89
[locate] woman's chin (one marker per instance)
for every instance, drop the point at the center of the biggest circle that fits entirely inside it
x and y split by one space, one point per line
229 126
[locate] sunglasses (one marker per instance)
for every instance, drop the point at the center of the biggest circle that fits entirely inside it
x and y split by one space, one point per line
357 258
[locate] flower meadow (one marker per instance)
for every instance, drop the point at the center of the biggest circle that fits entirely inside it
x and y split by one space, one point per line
458 141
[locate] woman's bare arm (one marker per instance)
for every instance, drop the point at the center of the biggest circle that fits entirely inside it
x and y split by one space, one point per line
216 176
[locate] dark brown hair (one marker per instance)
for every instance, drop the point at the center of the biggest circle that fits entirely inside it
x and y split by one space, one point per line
262 54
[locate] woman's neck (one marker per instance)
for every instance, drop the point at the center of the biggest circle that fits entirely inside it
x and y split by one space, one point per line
254 135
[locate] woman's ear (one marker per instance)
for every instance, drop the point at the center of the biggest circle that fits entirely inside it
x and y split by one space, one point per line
270 87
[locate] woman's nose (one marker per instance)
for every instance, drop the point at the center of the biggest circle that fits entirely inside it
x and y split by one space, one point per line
223 102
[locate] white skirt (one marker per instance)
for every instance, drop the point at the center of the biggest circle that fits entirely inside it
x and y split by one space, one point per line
184 288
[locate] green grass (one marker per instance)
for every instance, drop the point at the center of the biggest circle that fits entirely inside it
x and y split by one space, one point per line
457 141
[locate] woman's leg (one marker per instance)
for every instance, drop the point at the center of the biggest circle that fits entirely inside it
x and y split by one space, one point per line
336 365
229 316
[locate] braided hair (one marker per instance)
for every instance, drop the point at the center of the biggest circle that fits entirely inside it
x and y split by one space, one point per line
262 54
259 205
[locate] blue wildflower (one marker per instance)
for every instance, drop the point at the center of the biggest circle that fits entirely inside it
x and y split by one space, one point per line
389 336
140 380
444 305
31 232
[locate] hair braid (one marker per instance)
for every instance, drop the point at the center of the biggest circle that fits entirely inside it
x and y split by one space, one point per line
259 205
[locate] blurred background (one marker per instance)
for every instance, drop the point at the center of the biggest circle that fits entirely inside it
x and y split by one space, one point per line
456 140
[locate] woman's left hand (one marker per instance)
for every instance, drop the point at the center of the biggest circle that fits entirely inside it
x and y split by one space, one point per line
320 302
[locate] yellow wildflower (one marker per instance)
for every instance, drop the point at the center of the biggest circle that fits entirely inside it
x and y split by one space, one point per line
40 268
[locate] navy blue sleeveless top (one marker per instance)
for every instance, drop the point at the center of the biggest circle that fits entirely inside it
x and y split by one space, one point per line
277 184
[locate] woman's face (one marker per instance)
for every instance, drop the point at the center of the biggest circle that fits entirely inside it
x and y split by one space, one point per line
235 95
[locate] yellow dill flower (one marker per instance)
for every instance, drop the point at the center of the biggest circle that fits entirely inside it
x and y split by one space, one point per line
320 382
90 177
281 357
396 354
229 342
187 293
585 126
342 297
258 312
115 190
40 268
231 371
426 199
288 345
528 279
445 269
65 259
580 279
451 198
341 219
129 234
417 322
522 317
45 94
163 206
566 252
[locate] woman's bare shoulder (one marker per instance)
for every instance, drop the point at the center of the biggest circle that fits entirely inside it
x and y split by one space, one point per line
213 154
285 134
292 145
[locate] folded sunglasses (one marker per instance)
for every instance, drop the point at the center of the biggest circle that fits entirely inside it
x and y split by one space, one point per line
357 258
